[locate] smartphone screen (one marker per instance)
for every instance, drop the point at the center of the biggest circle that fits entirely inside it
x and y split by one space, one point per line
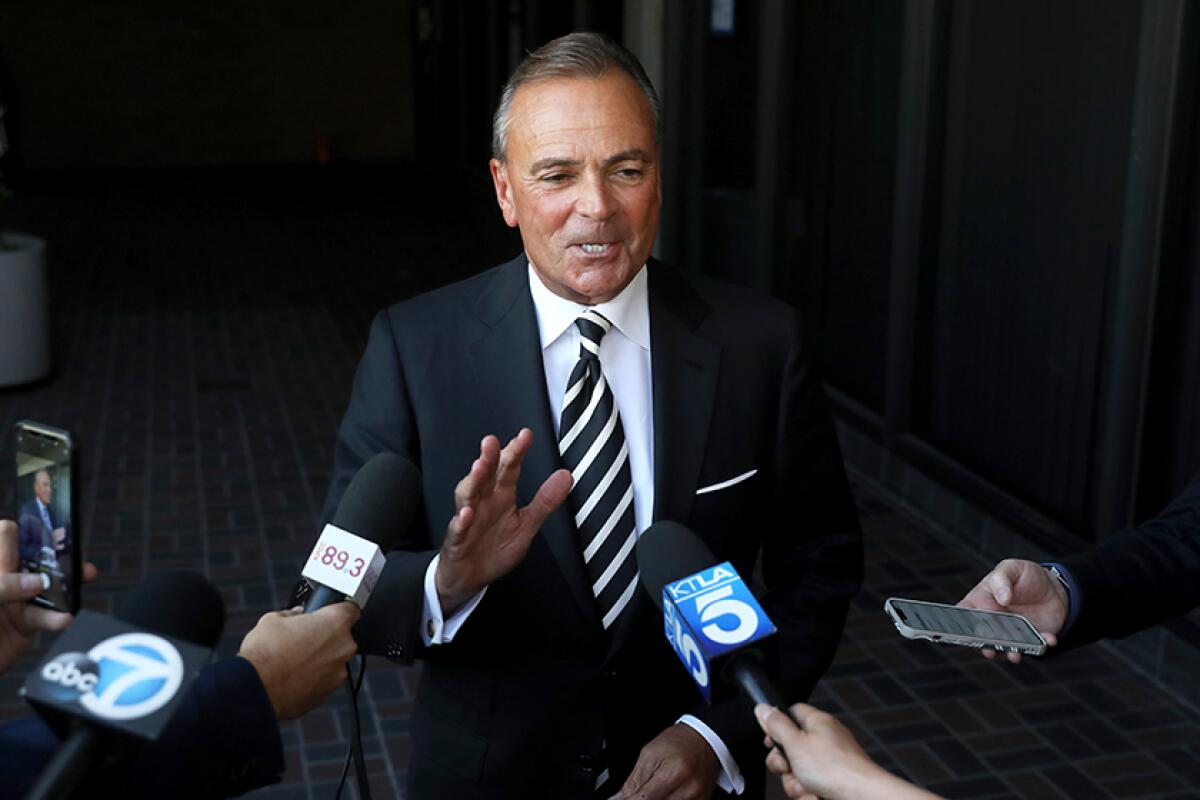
986 625
47 539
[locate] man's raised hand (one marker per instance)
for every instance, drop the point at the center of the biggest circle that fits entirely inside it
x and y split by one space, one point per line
489 535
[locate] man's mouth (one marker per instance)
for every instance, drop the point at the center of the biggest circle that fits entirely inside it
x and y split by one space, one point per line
595 249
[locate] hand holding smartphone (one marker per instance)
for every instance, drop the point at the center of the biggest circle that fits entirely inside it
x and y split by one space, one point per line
1002 631
47 512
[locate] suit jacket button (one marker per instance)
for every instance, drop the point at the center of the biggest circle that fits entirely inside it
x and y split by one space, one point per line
589 764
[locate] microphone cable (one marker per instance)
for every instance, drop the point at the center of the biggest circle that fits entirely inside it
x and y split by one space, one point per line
355 751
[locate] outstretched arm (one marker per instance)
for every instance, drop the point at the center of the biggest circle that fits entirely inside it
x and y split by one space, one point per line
825 760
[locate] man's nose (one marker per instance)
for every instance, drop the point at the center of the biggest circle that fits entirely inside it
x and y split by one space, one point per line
595 199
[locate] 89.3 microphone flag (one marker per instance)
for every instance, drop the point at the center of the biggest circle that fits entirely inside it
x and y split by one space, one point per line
373 515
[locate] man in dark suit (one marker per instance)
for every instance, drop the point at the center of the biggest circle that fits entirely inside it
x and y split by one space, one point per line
39 533
1138 578
635 394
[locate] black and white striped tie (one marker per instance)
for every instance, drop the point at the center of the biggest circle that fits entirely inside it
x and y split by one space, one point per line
592 444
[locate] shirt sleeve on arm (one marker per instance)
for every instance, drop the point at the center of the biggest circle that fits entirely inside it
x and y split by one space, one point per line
435 628
731 779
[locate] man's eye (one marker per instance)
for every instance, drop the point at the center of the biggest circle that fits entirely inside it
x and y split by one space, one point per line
555 177
631 173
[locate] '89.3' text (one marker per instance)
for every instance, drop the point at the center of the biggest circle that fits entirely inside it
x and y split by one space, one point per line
339 560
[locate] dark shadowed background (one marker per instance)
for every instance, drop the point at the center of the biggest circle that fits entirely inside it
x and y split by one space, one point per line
988 212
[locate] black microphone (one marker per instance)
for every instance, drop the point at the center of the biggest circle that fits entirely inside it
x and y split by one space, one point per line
107 682
176 603
373 514
714 623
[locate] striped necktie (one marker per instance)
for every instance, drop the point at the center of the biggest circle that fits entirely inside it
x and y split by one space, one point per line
592 444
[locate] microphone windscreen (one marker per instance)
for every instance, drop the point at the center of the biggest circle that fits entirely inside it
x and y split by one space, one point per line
176 603
666 552
381 500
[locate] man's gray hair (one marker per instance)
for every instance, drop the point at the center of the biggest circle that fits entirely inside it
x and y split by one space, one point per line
576 55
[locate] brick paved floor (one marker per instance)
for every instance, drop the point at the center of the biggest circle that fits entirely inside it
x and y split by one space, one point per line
206 383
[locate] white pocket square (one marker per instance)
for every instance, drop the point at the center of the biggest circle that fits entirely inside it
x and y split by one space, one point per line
716 487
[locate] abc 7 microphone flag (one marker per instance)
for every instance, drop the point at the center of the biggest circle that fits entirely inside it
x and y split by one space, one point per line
114 675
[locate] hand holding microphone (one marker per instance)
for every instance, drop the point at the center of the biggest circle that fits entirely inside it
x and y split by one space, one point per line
824 760
716 627
301 658
719 632
712 621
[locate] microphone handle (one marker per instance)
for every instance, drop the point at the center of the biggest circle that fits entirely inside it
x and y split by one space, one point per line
745 669
322 596
68 766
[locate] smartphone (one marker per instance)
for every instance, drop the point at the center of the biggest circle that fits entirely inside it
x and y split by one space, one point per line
969 627
48 512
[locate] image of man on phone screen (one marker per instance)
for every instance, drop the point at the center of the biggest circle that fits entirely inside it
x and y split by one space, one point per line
42 537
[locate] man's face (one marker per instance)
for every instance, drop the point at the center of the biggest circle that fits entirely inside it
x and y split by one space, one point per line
580 180
41 487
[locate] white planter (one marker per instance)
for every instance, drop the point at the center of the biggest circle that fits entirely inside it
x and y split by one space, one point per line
24 311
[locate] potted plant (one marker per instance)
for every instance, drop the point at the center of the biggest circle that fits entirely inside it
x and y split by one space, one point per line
24 299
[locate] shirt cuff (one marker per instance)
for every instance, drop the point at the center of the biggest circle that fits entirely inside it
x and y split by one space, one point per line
730 779
435 629
1074 596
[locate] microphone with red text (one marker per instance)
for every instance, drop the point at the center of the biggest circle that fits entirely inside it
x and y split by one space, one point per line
108 683
345 564
373 514
712 620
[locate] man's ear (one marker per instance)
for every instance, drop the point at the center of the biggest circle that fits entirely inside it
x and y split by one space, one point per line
504 191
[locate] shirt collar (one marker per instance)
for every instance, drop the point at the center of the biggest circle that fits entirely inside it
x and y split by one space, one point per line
629 311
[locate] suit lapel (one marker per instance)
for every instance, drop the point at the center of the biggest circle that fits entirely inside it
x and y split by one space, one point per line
507 363
684 370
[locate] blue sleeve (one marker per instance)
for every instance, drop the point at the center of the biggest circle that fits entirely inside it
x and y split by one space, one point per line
1139 577
222 740
26 746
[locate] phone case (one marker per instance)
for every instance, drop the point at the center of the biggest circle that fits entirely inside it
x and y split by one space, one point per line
909 631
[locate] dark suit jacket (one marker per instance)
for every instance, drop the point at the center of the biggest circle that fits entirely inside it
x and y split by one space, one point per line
522 702
222 740
1141 576
32 533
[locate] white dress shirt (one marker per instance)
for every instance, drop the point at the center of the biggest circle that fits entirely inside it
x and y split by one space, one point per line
625 359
